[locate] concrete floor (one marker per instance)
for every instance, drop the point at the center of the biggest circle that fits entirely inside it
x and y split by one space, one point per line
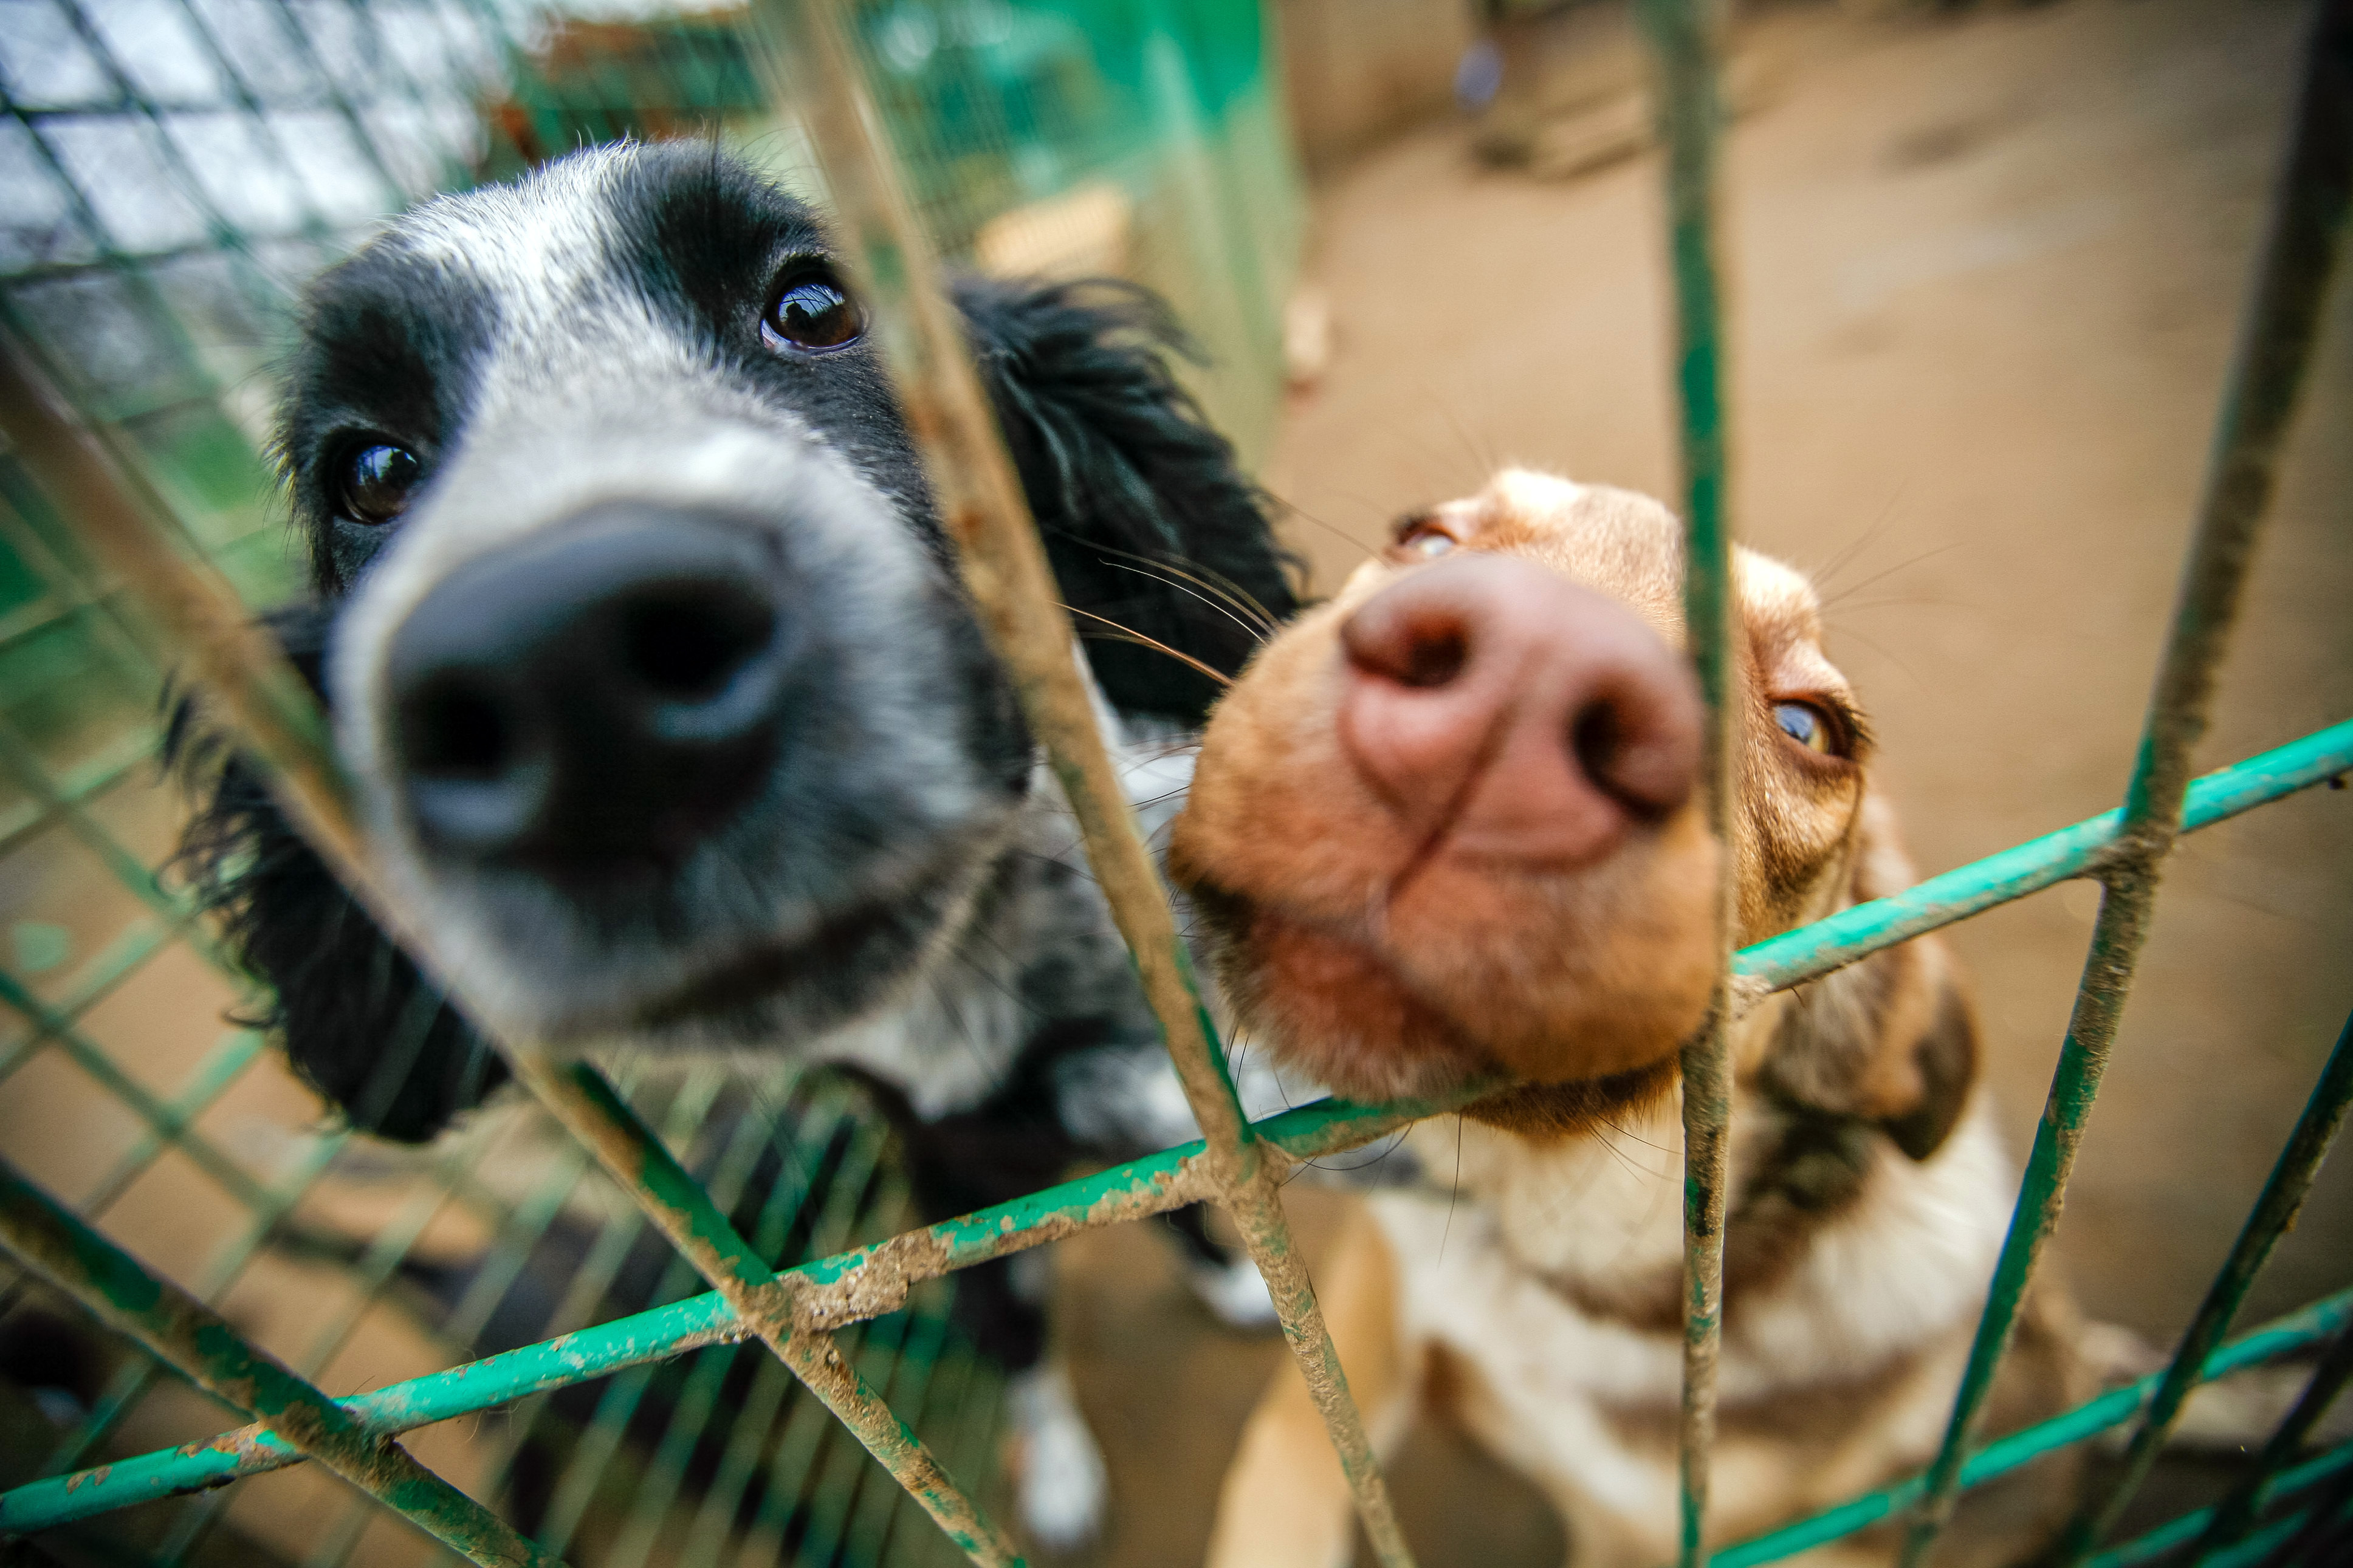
1986 271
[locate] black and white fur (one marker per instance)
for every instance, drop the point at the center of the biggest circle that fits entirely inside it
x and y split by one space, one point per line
900 890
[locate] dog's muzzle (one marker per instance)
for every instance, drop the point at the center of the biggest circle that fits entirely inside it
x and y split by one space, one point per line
595 701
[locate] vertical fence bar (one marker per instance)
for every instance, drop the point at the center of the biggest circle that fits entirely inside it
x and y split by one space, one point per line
2235 1515
981 501
1685 39
2275 1211
2259 401
282 733
175 1327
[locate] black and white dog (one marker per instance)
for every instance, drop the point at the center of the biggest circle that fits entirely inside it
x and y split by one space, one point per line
647 658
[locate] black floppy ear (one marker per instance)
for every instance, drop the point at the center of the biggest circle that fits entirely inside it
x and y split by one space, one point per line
1132 490
357 1020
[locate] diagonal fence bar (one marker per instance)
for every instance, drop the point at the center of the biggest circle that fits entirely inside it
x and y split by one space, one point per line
580 1098
1811 952
2259 401
175 1327
2261 1546
1685 38
2286 1336
867 1280
2274 1213
980 499
283 735
2230 1520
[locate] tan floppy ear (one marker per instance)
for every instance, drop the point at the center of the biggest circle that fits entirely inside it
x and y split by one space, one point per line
1943 1070
1892 1039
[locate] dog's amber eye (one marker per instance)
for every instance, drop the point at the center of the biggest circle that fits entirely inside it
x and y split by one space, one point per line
1808 726
375 483
1422 536
812 314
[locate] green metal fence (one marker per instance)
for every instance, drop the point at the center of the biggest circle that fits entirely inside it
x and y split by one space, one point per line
148 572
169 174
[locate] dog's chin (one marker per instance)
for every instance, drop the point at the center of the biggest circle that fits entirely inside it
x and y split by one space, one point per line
1333 1008
1340 1009
759 987
774 993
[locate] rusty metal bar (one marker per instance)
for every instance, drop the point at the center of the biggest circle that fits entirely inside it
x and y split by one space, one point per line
1685 38
769 1305
132 531
175 1327
981 501
2259 401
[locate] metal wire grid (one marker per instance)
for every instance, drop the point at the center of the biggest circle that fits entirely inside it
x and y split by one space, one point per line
164 174
152 220
797 1313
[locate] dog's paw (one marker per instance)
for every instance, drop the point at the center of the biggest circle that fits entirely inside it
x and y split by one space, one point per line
1234 1292
1062 1487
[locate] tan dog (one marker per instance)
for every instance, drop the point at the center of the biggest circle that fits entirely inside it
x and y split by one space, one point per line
1449 825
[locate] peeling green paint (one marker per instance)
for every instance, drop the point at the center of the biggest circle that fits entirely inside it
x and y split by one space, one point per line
1149 1185
180 1330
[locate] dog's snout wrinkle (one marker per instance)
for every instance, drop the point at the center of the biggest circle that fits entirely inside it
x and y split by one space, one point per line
1506 712
596 699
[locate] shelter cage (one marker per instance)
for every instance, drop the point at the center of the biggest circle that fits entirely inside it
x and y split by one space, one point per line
139 291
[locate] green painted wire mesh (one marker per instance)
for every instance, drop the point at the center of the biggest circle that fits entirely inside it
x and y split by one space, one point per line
170 171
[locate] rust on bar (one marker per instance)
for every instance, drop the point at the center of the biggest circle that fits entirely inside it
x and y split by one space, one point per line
181 1330
820 80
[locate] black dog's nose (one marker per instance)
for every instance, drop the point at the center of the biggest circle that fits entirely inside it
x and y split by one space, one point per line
596 699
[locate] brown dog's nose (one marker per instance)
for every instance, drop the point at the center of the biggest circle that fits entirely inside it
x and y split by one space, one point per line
1532 719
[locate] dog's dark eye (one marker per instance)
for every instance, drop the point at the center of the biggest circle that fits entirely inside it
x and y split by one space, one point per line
375 483
1809 727
812 314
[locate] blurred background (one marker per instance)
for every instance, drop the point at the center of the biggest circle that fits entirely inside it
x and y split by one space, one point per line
1986 263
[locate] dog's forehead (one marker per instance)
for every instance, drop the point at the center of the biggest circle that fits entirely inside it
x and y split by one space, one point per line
1630 546
625 220
1622 543
545 235
1782 616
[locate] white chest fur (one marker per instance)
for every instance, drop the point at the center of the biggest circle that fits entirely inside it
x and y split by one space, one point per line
1511 1278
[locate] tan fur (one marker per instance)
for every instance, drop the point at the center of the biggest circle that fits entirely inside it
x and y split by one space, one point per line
1869 1196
